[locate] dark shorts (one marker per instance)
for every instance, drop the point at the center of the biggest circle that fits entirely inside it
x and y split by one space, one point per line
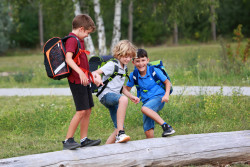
82 96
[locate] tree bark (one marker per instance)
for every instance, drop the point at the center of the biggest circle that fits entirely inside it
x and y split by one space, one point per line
40 15
130 16
100 29
213 21
89 45
175 34
117 24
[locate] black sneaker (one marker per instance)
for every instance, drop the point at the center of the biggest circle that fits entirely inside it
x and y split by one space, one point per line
70 144
87 142
167 130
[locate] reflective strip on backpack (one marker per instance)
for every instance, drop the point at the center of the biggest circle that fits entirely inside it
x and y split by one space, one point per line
59 67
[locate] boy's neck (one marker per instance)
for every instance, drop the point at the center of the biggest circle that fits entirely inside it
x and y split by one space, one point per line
76 32
143 73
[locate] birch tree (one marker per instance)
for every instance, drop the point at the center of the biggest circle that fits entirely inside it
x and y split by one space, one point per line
40 15
117 24
100 29
130 16
88 40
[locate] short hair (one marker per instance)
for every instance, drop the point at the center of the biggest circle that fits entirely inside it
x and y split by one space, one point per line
124 48
85 21
141 53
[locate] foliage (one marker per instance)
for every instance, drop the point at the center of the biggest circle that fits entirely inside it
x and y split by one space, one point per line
153 21
235 60
5 26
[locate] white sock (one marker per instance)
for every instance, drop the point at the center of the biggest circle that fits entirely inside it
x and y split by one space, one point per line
82 140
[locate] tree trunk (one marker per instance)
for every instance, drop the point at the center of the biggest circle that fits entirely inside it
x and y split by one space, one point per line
100 29
40 13
117 24
175 34
130 16
88 40
213 21
218 149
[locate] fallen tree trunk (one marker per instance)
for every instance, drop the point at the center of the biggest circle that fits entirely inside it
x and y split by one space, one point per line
195 149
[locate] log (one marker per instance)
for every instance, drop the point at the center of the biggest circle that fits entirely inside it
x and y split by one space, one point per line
192 149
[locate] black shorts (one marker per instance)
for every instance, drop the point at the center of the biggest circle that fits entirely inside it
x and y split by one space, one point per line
82 96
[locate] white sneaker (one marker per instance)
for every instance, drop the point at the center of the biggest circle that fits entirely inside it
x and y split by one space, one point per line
122 137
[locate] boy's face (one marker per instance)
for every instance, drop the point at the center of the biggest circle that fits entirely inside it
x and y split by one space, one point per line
125 59
141 63
84 33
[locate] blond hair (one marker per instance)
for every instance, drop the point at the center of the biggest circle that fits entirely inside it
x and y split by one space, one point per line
85 21
124 48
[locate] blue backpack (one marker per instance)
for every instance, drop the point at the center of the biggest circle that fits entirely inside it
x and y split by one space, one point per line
152 65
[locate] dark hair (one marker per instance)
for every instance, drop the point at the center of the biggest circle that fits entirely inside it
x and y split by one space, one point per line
85 21
141 53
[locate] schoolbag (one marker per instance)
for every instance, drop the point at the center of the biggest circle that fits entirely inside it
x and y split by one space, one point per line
97 62
54 57
154 64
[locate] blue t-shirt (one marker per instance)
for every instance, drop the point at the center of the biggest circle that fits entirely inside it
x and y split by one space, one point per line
147 83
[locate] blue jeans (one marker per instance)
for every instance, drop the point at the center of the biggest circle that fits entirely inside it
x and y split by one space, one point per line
156 105
111 102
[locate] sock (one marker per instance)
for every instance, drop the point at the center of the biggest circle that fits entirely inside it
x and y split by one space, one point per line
82 140
164 123
65 140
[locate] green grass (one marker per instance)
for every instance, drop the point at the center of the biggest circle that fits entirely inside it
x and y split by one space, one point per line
32 125
195 65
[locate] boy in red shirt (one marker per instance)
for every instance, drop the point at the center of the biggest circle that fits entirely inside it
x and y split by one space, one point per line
82 25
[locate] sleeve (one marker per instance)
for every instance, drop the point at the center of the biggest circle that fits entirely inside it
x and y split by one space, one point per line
160 75
130 82
71 45
108 68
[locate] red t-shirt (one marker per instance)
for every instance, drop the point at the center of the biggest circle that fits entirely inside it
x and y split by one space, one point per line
71 46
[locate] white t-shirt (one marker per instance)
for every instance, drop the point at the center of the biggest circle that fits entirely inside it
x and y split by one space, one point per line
116 84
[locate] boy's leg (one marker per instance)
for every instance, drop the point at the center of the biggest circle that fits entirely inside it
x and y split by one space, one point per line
150 110
121 112
111 138
74 123
84 123
152 114
150 133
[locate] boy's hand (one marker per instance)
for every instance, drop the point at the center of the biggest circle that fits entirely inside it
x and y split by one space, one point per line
83 78
165 98
97 79
134 99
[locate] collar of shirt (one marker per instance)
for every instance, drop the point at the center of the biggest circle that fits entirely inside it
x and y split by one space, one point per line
120 66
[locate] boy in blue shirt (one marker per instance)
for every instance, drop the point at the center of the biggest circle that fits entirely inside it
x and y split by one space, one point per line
153 96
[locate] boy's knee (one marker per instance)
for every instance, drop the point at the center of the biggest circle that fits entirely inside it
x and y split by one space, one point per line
123 99
83 113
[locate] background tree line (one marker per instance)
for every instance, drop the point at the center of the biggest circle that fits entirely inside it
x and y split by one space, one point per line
145 22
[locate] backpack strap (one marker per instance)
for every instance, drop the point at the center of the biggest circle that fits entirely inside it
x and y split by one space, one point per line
79 49
135 78
110 78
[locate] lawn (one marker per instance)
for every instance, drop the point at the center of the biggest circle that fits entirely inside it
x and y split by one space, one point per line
195 65
32 125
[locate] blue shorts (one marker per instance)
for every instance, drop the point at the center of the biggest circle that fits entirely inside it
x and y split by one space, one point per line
156 105
111 101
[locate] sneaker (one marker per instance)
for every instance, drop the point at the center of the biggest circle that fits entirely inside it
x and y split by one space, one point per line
87 142
122 137
70 144
167 130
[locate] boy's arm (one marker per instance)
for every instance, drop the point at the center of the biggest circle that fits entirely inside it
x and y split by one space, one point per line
126 91
69 60
165 98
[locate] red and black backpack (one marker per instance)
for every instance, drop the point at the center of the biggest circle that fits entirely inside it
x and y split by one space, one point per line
54 57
